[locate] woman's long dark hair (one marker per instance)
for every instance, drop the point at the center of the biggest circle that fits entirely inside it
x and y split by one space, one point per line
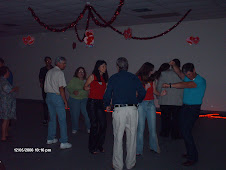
144 71
77 70
163 67
96 72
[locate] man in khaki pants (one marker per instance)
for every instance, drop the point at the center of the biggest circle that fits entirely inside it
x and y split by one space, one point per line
122 88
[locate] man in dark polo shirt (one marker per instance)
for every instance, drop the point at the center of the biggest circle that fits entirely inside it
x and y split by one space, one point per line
122 89
42 75
194 89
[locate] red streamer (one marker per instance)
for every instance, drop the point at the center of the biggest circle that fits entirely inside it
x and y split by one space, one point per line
210 116
87 23
104 24
138 38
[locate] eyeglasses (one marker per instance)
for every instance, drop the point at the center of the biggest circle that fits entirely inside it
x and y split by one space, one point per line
81 71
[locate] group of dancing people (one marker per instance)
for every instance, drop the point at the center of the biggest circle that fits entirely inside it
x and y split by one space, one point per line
131 96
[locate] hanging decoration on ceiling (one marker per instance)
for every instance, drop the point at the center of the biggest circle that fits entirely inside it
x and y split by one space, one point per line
89 39
28 40
195 40
101 22
128 33
192 40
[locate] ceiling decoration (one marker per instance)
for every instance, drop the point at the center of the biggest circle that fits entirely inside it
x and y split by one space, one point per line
91 12
15 19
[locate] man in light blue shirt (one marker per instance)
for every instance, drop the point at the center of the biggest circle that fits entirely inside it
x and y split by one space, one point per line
194 89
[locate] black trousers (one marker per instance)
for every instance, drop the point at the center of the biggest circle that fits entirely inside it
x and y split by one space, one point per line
170 120
45 107
98 121
188 116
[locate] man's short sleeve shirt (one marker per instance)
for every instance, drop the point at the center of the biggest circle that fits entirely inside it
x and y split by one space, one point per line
194 96
54 79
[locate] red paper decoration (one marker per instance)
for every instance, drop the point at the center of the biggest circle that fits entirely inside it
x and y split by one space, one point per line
195 40
128 33
28 40
192 40
91 12
89 39
189 41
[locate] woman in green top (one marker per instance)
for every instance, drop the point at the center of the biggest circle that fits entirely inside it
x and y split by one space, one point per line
78 99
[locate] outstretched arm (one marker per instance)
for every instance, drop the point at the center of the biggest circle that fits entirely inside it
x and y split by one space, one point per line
181 85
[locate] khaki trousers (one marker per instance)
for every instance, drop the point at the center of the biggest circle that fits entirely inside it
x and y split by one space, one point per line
124 119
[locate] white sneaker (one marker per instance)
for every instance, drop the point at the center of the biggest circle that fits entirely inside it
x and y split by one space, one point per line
88 131
52 141
65 145
74 131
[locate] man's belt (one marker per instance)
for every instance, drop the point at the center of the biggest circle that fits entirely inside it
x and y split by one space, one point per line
124 105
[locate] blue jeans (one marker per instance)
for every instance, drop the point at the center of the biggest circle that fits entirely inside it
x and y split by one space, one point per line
56 106
147 110
77 105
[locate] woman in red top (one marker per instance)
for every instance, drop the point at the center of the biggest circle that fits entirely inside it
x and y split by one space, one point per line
147 109
96 84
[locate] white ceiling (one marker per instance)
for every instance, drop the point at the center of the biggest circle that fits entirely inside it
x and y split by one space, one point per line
16 19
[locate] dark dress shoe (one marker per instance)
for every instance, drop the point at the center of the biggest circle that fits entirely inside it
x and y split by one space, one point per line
94 152
175 137
151 150
45 122
184 155
164 134
189 163
101 149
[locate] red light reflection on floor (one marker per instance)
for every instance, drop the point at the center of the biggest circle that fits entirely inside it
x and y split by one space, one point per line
210 116
213 116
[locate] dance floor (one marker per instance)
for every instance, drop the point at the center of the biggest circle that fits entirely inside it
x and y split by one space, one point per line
27 149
